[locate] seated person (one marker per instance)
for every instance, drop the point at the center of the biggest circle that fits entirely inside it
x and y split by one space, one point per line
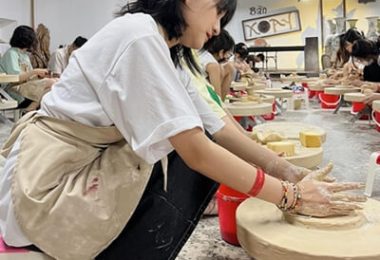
32 84
241 53
60 58
253 59
40 53
214 62
346 42
367 53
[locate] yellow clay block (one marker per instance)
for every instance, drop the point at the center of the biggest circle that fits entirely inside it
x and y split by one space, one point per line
310 139
282 147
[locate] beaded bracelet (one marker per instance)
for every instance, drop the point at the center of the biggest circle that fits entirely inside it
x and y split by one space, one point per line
259 183
283 205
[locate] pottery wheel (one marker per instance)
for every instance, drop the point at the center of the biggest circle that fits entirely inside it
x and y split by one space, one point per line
265 234
291 130
250 109
340 90
278 93
306 157
239 86
376 106
354 97
317 86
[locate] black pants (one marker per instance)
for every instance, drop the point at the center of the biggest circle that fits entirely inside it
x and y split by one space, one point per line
163 221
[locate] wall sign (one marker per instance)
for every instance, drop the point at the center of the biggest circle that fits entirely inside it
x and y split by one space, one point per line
273 24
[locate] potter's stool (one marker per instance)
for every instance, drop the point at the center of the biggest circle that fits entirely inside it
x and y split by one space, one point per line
304 96
11 253
374 168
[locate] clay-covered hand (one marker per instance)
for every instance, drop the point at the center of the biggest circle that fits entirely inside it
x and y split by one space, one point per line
322 199
320 174
41 73
296 174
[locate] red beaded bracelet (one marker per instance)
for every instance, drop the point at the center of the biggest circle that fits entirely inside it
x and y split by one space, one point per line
259 183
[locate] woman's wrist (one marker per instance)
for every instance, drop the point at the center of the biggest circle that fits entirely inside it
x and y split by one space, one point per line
291 197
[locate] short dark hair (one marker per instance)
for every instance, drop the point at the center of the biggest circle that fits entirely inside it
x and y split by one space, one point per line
242 49
23 37
364 49
168 13
352 35
79 41
221 42
261 56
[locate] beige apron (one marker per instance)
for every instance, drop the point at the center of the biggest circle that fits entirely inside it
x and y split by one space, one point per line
33 89
75 187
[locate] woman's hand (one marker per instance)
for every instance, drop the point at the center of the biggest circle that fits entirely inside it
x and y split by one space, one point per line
322 199
41 73
296 174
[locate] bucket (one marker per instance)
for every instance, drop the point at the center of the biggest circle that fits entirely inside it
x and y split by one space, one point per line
228 200
329 101
357 107
376 119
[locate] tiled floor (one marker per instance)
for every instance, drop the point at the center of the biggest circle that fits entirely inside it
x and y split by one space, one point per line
348 146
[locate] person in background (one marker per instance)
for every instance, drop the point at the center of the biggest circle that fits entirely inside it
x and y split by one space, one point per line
60 58
214 63
33 84
40 52
252 60
128 163
367 53
240 56
346 41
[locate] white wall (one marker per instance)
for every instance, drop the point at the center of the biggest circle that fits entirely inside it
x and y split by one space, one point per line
66 19
18 10
309 18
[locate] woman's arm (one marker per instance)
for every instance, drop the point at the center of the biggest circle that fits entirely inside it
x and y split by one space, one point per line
212 160
214 72
234 140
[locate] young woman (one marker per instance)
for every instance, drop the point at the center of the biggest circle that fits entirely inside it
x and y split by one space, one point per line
345 46
214 62
116 163
32 85
367 53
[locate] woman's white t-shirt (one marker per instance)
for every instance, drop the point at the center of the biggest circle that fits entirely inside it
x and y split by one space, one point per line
122 76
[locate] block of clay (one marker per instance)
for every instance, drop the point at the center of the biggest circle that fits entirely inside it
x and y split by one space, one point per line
311 139
286 147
